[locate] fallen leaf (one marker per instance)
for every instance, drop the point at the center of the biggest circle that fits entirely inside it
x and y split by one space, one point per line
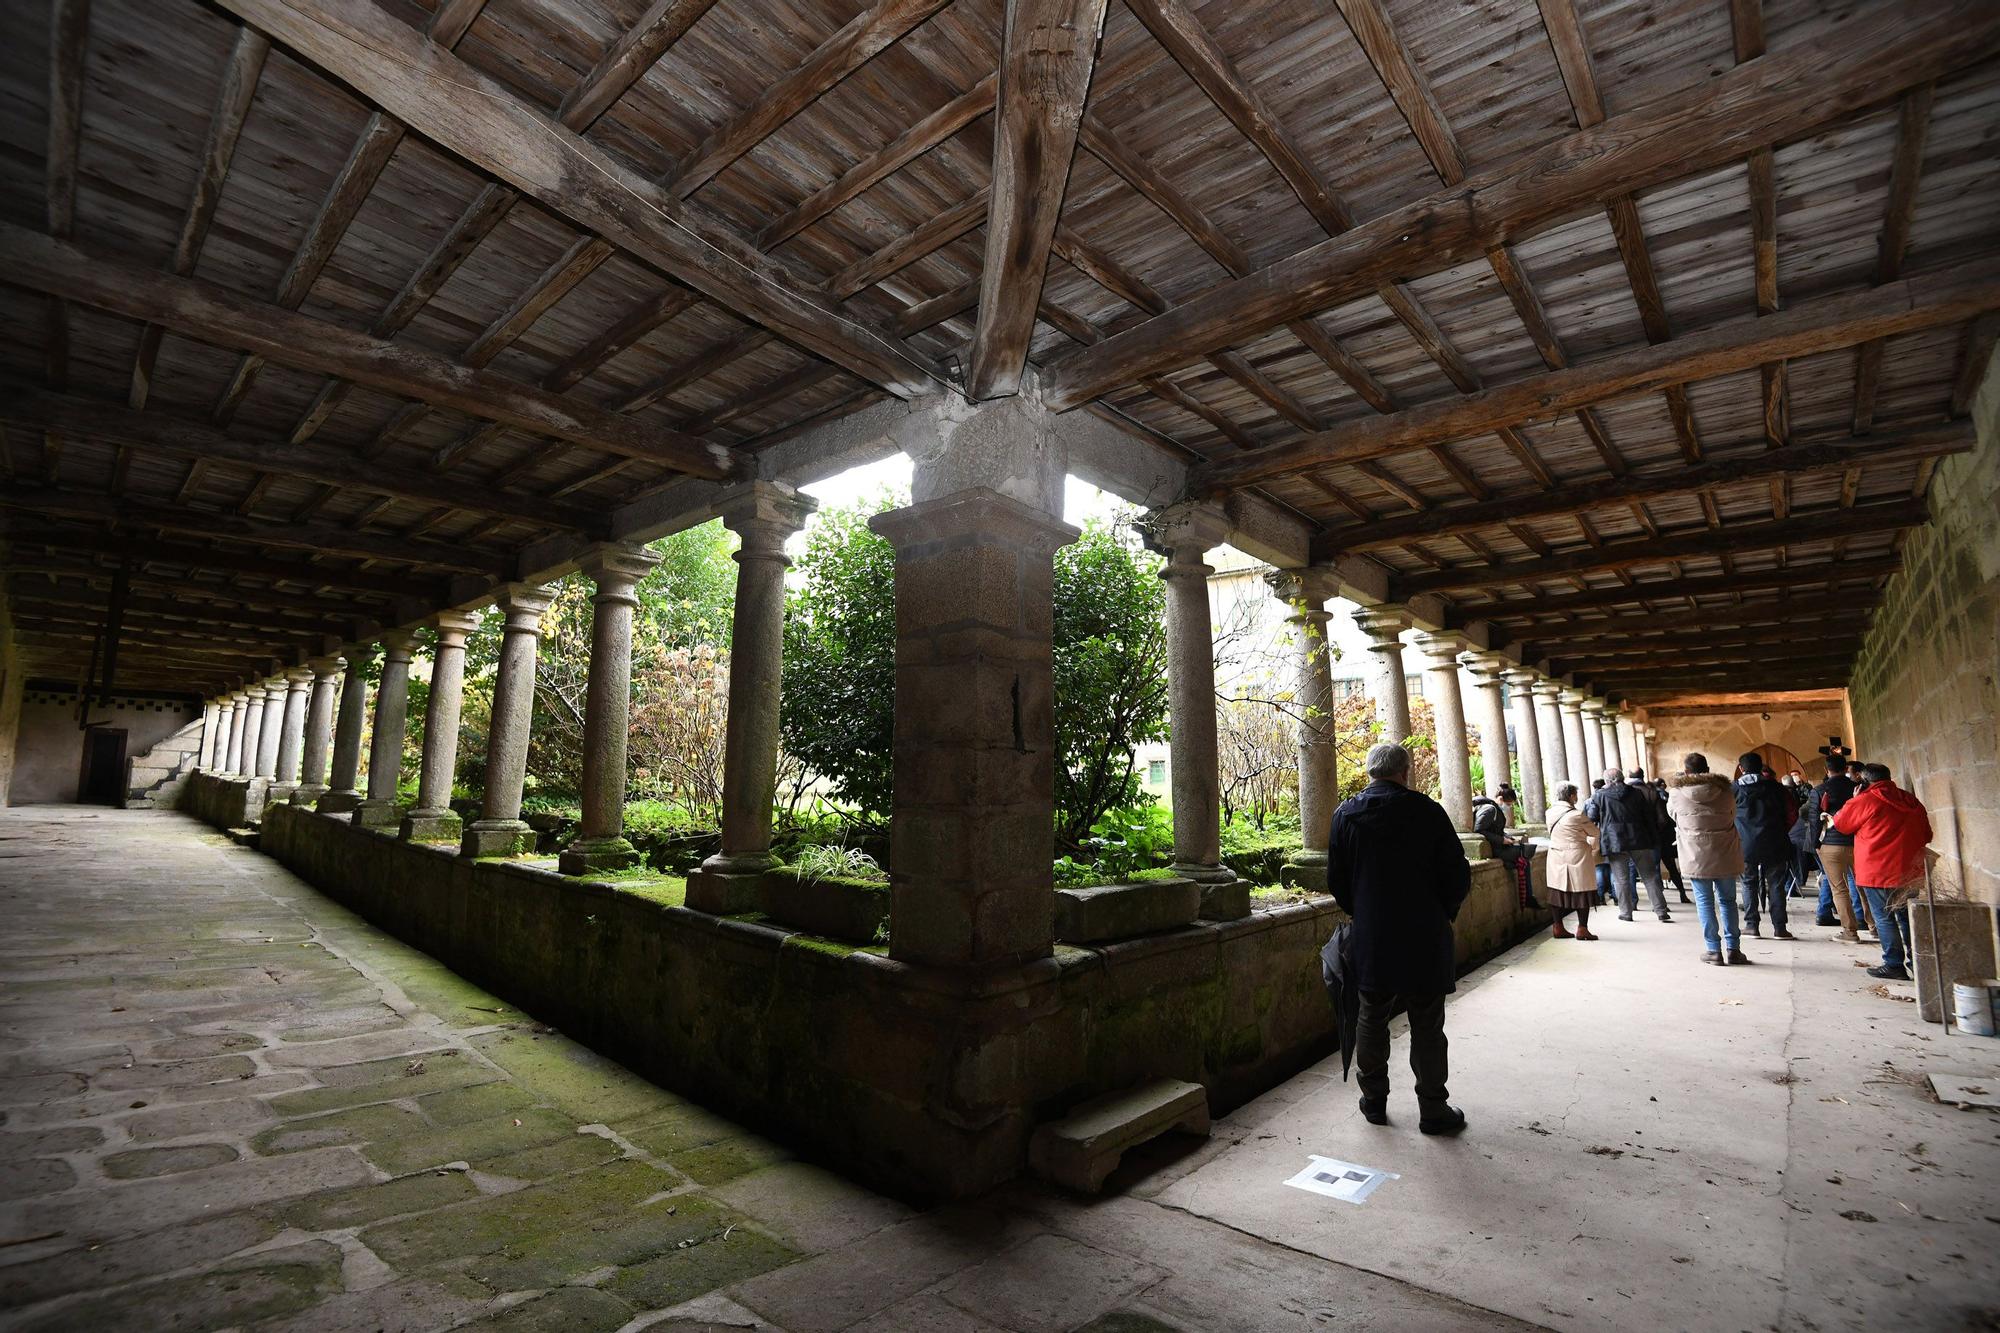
414 1067
1856 1215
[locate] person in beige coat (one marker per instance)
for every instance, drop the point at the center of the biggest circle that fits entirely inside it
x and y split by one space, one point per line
1703 808
1572 864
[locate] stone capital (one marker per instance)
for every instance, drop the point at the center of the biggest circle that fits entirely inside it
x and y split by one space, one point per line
617 567
1596 707
453 626
1521 678
1443 649
299 677
1486 668
326 667
1304 591
523 605
1571 699
275 689
763 514
397 643
1384 626
973 513
359 655
1185 532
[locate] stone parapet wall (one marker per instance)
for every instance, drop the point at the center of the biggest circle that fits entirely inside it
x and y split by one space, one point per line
926 1081
1924 693
226 802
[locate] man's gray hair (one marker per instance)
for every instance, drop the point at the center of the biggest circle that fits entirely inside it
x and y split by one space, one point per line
1613 775
1388 760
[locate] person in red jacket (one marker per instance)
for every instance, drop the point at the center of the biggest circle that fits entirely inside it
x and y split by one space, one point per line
1890 829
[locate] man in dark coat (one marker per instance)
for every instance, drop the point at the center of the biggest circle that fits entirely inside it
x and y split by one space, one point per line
1764 816
1630 840
1395 864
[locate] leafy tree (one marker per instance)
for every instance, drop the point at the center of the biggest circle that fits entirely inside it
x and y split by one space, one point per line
837 708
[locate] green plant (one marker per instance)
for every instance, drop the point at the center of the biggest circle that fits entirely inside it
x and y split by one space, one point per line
1074 874
823 862
1131 839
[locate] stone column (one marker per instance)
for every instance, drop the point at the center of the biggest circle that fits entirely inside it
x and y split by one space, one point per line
1549 723
1187 533
225 733
972 838
345 781
385 748
250 719
317 739
291 732
1448 714
616 569
1594 761
433 819
762 514
1304 593
1614 746
273 728
1628 742
1387 684
1489 714
499 830
205 759
1575 753
1649 756
1528 746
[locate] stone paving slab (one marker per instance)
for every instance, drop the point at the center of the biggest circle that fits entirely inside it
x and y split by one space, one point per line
226 1103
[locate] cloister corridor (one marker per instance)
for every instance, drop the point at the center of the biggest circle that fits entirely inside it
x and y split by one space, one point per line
229 1099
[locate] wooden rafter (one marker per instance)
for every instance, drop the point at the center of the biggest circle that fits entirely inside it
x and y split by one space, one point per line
260 564
1913 123
1874 55
1825 573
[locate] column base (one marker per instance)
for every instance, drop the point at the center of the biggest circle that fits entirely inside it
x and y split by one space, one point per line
729 885
281 791
309 793
338 802
431 826
589 855
1224 897
496 837
1305 872
380 815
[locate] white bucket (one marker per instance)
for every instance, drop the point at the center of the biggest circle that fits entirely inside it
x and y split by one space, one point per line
1974 1003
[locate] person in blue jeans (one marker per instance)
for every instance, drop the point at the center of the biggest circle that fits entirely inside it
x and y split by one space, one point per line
1711 855
1891 830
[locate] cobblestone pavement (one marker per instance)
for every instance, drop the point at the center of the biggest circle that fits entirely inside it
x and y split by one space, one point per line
226 1102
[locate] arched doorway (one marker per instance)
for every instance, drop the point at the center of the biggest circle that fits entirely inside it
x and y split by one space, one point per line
1781 760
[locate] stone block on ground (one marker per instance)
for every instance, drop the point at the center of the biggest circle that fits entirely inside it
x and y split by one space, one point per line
842 909
1120 911
1079 1151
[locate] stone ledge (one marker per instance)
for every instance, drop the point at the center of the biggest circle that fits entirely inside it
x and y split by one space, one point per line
1120 911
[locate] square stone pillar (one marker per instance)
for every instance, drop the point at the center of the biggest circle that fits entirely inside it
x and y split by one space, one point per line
1441 653
291 733
317 739
1304 593
1387 684
1576 754
973 829
762 514
500 830
344 783
433 819
1528 745
385 748
1489 714
616 568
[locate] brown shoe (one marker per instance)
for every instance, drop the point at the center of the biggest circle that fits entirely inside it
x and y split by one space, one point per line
1559 933
1583 934
1736 958
1848 937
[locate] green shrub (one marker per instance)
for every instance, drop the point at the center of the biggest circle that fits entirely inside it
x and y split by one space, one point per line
1131 839
1071 874
842 863
1259 854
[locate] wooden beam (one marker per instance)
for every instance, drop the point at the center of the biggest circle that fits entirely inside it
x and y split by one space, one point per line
1975 356
1412 94
69 35
1824 574
1651 551
1734 345
170 435
329 539
478 119
1047 56
1913 123
221 317
275 568
225 124
1820 453
1876 54
82 594
194 593
1727 618
1813 627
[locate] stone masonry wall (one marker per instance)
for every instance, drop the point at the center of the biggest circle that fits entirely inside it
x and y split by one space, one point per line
156 777
924 1081
1722 737
1924 691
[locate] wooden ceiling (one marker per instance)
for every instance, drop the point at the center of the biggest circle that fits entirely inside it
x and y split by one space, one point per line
1589 317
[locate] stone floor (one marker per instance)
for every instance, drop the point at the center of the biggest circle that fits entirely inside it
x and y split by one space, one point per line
226 1102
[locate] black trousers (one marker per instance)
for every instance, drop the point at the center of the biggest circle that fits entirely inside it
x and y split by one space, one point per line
1427 1047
